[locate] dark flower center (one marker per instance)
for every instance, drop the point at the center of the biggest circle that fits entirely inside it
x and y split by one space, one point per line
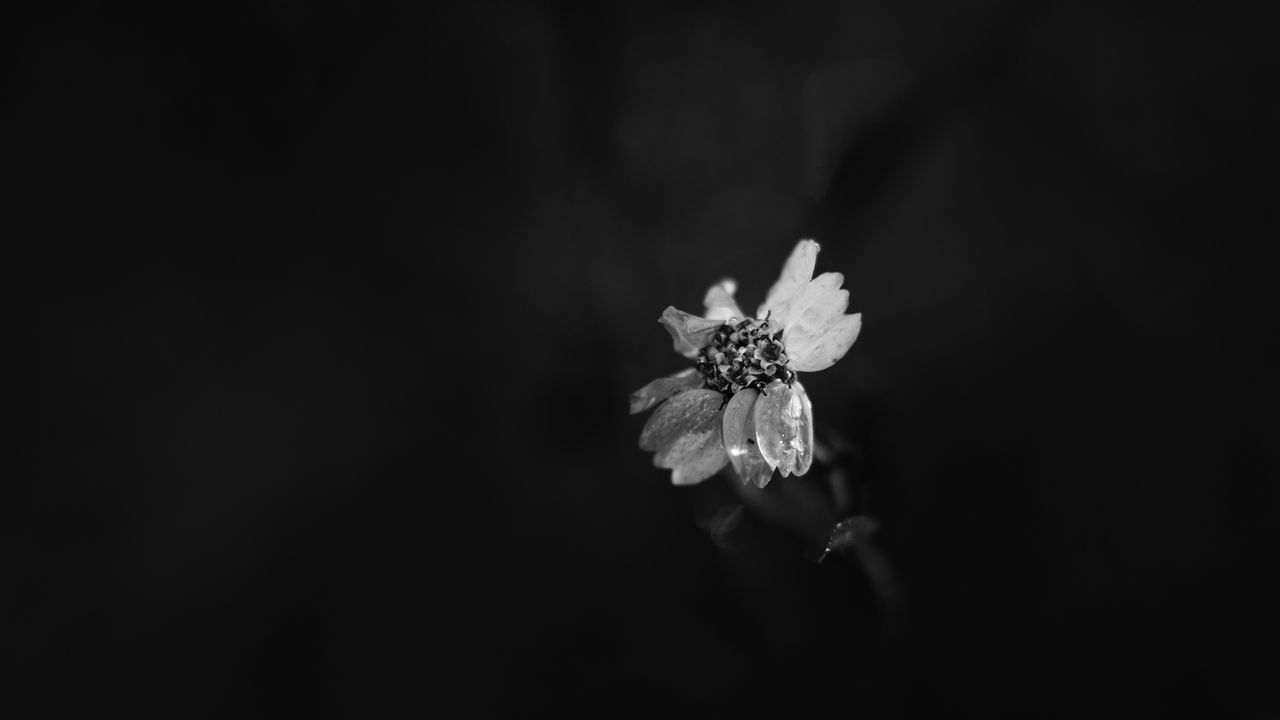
749 354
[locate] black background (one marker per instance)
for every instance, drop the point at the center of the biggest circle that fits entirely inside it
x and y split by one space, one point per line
324 321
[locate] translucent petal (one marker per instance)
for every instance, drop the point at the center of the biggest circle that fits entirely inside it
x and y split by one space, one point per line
740 439
663 388
684 412
795 277
689 333
720 303
804 452
784 427
819 350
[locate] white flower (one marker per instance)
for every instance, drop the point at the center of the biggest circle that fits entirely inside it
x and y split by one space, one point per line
742 402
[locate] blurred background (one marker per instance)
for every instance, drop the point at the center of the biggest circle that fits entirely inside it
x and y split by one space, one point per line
324 321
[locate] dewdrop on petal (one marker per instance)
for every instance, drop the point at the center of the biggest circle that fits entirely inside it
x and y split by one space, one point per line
742 403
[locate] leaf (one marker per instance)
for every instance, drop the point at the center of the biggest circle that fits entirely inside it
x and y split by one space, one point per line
849 533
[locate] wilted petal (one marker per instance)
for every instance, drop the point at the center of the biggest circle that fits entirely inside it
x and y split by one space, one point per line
677 416
820 349
720 303
663 388
784 427
795 277
740 439
689 333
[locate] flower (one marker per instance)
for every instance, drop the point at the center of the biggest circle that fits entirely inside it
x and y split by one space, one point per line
742 402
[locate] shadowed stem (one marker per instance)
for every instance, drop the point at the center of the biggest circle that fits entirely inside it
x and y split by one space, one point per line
809 508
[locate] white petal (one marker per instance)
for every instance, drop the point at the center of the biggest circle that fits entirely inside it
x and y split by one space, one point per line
796 274
720 303
690 444
677 416
740 439
820 305
784 427
706 460
820 349
689 333
664 387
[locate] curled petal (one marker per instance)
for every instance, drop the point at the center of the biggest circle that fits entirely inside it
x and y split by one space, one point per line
720 303
784 427
677 416
663 388
740 439
819 349
689 333
795 277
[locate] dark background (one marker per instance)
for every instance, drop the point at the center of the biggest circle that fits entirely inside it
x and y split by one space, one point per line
323 322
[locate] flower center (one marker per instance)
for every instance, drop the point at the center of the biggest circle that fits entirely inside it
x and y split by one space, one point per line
749 354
